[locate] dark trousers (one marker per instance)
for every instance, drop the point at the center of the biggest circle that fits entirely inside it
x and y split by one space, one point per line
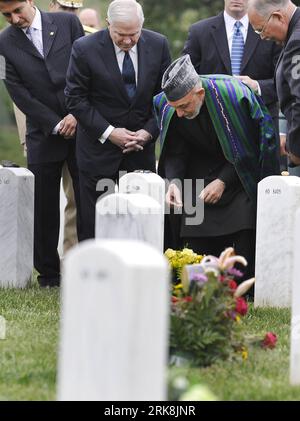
242 241
47 217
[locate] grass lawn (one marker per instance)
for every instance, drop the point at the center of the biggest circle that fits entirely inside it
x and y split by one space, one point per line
29 353
10 148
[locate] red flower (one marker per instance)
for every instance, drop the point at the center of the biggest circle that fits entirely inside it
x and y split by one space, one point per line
174 299
241 306
269 340
188 299
232 284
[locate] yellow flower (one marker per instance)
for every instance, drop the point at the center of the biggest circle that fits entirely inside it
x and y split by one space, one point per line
237 319
244 353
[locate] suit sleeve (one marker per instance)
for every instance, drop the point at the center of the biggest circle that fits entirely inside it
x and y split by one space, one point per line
151 124
228 174
45 117
267 86
77 95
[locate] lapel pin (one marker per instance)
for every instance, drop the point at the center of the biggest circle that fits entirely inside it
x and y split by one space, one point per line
51 33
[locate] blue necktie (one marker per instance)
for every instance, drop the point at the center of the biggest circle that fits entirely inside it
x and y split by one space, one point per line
128 75
237 49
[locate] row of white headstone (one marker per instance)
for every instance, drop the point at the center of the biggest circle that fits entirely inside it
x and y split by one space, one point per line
115 300
137 213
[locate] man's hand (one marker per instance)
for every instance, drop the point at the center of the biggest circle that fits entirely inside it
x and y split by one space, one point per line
121 136
282 145
213 191
295 159
173 196
68 126
253 84
141 138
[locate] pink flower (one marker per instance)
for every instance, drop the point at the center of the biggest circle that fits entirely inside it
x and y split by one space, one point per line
269 340
241 306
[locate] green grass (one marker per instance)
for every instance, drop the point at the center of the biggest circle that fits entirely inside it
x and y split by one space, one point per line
264 375
29 354
10 148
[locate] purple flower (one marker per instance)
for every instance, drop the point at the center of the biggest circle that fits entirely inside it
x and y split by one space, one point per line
235 272
200 278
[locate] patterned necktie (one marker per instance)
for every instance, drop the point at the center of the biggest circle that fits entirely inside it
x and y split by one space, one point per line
128 75
32 34
237 49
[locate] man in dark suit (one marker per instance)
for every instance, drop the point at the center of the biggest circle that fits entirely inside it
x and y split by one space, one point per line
112 78
37 47
279 20
211 47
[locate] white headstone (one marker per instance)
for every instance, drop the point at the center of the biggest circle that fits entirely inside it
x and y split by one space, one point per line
115 304
145 182
130 216
278 200
295 325
16 226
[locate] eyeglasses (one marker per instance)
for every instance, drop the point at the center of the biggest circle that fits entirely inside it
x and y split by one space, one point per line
259 32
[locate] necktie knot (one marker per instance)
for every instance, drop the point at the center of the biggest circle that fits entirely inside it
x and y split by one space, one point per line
128 75
238 24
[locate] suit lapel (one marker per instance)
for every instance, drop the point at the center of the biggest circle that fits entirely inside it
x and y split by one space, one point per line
220 37
49 32
250 46
21 40
110 61
143 64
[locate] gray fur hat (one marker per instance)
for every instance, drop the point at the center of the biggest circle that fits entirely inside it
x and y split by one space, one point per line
179 78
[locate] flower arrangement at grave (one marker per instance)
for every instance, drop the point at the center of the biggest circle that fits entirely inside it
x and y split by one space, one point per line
207 308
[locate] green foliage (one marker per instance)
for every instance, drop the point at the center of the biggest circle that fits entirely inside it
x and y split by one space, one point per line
204 326
174 17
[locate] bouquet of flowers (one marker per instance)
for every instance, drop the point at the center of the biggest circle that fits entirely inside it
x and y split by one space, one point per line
207 307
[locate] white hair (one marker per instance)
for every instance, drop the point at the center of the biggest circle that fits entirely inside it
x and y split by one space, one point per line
124 11
264 7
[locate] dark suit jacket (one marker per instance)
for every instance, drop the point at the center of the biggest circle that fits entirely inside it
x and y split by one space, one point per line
36 84
96 95
288 83
208 47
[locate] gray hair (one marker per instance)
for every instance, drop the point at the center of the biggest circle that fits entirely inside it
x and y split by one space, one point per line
124 11
265 7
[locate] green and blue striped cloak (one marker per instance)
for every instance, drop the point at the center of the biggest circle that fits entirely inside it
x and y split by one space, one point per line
234 108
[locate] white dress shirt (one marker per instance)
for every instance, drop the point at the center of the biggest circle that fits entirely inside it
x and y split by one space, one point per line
133 52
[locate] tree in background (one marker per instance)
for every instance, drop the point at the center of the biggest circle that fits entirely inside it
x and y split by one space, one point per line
174 17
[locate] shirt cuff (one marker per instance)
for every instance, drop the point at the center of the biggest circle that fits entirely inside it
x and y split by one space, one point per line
258 89
106 134
56 128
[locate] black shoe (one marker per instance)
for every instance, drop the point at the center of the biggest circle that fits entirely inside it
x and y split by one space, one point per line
48 282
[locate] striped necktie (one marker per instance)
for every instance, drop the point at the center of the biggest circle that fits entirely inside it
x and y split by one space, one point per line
237 49
32 34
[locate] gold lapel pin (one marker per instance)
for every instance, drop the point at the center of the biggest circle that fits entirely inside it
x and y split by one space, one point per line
51 33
